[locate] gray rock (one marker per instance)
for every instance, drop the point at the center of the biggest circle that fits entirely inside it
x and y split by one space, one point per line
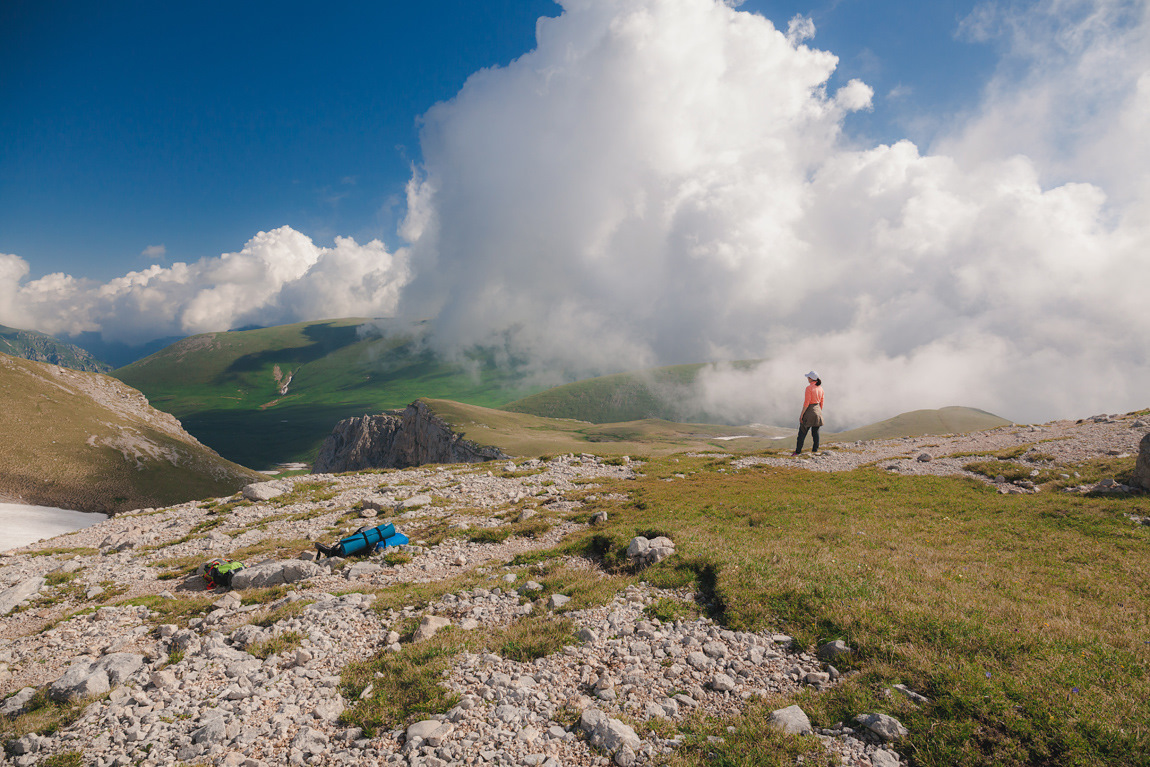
832 650
415 501
722 683
213 731
886 727
924 458
265 491
791 720
310 741
586 634
360 570
18 593
1141 466
275 573
557 600
637 547
922 700
396 440
625 757
599 518
422 729
29 744
715 649
329 710
14 703
82 679
883 758
606 733
429 626
120 666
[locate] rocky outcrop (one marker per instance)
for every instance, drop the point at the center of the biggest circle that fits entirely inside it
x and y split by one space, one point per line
1142 467
397 440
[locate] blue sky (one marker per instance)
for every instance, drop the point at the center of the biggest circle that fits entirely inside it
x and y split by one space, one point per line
131 125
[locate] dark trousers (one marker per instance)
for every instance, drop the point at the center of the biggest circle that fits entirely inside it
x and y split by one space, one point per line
814 430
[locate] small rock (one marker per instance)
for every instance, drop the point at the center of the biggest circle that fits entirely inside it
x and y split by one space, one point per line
924 458
832 650
429 626
886 727
791 720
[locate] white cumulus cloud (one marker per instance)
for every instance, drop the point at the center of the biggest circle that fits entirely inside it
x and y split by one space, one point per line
664 181
279 276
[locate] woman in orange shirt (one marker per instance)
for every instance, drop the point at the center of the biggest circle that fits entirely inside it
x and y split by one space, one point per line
811 417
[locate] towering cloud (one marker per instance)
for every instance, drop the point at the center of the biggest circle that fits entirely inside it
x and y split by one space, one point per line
665 181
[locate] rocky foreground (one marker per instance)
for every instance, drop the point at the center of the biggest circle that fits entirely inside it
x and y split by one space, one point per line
253 676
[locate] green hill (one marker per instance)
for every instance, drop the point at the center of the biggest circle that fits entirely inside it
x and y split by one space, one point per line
921 423
271 395
41 347
523 434
85 441
666 393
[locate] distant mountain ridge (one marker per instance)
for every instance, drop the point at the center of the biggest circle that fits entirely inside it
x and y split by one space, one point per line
41 347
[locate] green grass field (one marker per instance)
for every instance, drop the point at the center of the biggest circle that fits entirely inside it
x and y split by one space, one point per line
224 386
1025 619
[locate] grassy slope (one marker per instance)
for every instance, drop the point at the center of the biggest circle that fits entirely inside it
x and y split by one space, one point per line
521 434
44 348
947 420
222 385
48 455
1025 619
659 393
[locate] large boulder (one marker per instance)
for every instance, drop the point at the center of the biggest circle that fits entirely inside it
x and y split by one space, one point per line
644 551
791 720
1142 466
608 734
274 573
18 593
396 440
265 491
82 679
886 727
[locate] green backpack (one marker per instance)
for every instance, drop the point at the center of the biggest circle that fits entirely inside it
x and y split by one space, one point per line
219 572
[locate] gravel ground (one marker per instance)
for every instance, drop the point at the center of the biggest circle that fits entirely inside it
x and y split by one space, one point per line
213 701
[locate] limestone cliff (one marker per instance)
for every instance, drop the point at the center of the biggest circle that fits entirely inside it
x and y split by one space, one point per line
395 440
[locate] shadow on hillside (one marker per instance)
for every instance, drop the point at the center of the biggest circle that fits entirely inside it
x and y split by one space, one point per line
260 439
324 339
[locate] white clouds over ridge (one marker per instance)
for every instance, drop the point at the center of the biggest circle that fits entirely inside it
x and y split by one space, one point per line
279 276
665 181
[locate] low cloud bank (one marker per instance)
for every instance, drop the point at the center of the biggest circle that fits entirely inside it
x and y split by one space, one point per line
666 181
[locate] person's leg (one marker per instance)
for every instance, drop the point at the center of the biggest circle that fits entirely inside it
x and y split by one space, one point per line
802 438
815 437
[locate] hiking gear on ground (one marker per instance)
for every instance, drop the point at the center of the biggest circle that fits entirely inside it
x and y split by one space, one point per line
219 572
364 541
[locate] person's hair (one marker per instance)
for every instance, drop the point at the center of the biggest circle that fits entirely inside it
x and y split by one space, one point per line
818 382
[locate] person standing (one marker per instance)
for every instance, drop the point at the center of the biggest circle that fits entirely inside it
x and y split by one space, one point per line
811 417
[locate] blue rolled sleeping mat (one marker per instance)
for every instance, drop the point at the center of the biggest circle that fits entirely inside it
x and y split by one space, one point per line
364 542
